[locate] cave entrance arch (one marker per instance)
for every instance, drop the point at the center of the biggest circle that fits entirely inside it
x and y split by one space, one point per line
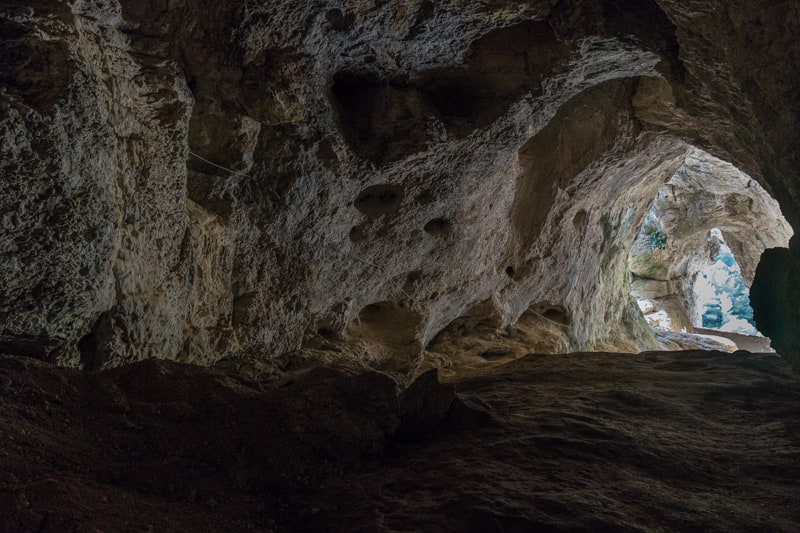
696 253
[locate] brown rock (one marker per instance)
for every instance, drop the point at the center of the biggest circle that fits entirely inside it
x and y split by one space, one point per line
189 182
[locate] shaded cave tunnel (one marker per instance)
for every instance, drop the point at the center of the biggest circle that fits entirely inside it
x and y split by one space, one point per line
552 173
392 266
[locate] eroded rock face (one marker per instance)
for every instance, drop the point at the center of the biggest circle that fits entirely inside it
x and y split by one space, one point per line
203 180
96 240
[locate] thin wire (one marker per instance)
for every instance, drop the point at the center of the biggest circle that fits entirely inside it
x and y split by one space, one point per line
277 197
201 158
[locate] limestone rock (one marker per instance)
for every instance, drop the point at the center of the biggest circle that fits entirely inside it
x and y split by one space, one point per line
676 340
193 182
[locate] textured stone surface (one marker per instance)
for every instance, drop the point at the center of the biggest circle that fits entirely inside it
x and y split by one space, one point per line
674 441
418 157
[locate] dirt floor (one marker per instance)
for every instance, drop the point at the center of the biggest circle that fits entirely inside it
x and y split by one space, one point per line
656 441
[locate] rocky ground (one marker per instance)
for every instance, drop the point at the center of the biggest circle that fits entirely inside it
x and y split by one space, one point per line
676 441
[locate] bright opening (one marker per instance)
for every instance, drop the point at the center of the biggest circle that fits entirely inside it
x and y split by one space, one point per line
722 299
696 253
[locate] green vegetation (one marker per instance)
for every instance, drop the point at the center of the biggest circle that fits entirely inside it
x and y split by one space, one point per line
658 240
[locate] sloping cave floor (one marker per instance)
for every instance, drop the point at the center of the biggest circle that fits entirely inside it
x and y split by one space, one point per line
661 440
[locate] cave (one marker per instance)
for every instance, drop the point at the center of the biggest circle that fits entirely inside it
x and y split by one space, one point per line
685 275
399 266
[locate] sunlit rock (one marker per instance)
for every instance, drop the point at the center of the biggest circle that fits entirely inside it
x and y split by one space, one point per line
683 262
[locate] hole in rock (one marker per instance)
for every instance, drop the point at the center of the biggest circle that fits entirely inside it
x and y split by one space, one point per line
425 13
495 354
356 234
580 220
455 98
327 333
479 335
386 120
382 120
339 21
425 198
696 253
390 332
438 226
552 312
36 71
501 66
379 200
414 276
510 271
326 153
414 280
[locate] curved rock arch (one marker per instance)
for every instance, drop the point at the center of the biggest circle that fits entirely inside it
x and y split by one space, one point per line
210 173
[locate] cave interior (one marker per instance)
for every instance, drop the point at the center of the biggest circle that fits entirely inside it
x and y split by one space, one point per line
399 265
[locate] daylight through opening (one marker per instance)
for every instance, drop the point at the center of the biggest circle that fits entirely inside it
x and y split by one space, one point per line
696 252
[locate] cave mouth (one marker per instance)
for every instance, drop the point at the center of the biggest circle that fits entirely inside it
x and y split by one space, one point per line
696 253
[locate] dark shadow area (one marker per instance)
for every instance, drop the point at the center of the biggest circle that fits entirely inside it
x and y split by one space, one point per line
523 446
382 120
385 120
379 200
641 22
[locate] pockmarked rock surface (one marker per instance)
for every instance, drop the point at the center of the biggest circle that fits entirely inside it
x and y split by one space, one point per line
195 181
281 265
671 440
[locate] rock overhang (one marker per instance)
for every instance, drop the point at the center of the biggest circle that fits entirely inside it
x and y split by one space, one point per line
516 132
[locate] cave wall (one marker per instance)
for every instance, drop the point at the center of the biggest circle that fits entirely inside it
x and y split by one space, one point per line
95 233
197 180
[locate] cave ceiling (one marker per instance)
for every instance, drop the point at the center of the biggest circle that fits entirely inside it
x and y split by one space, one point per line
200 180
